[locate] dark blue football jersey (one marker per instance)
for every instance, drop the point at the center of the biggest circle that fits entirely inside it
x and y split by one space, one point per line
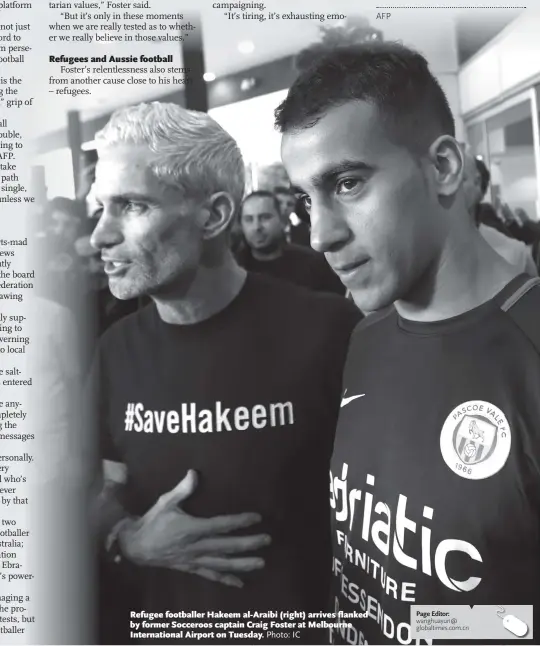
435 475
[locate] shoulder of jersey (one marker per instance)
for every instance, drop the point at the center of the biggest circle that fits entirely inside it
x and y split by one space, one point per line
372 322
523 307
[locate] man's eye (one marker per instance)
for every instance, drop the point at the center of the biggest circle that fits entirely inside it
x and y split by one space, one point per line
138 207
347 185
306 201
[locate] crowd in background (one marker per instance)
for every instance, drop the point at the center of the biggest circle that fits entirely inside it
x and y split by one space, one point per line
271 236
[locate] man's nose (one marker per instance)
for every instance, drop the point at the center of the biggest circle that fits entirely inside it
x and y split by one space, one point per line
107 232
329 229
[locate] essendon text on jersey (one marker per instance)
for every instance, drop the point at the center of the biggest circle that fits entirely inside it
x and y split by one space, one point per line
219 418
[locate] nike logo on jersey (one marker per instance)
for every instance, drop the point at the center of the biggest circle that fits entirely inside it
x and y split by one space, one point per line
348 400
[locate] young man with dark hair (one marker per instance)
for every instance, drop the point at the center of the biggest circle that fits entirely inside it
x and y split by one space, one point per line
435 476
263 225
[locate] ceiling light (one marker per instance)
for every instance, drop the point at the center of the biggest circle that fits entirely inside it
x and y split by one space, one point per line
246 47
248 84
209 76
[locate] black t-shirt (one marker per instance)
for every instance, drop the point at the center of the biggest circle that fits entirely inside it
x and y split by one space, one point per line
435 476
299 265
252 406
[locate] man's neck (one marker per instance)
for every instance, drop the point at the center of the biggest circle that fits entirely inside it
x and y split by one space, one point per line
468 274
212 290
265 255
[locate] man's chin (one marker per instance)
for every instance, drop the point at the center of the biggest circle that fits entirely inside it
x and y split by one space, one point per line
369 299
123 292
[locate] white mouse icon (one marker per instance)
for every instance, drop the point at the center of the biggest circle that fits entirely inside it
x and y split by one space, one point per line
515 626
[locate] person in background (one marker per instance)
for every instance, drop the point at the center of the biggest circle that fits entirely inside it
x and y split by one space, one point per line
296 230
212 489
63 277
515 223
286 200
435 476
65 219
476 183
87 173
268 251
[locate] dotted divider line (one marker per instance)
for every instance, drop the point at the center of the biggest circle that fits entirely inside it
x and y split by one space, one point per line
448 7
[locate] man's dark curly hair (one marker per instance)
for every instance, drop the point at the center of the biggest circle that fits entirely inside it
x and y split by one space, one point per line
390 76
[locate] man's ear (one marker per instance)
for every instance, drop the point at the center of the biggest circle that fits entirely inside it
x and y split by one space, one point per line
448 164
219 210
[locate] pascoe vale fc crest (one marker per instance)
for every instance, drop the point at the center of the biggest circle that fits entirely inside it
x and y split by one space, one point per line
476 440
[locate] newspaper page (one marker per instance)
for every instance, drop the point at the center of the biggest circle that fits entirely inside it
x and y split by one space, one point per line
269 322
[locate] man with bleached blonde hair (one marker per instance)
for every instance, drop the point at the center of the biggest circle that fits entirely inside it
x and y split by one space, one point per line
211 380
